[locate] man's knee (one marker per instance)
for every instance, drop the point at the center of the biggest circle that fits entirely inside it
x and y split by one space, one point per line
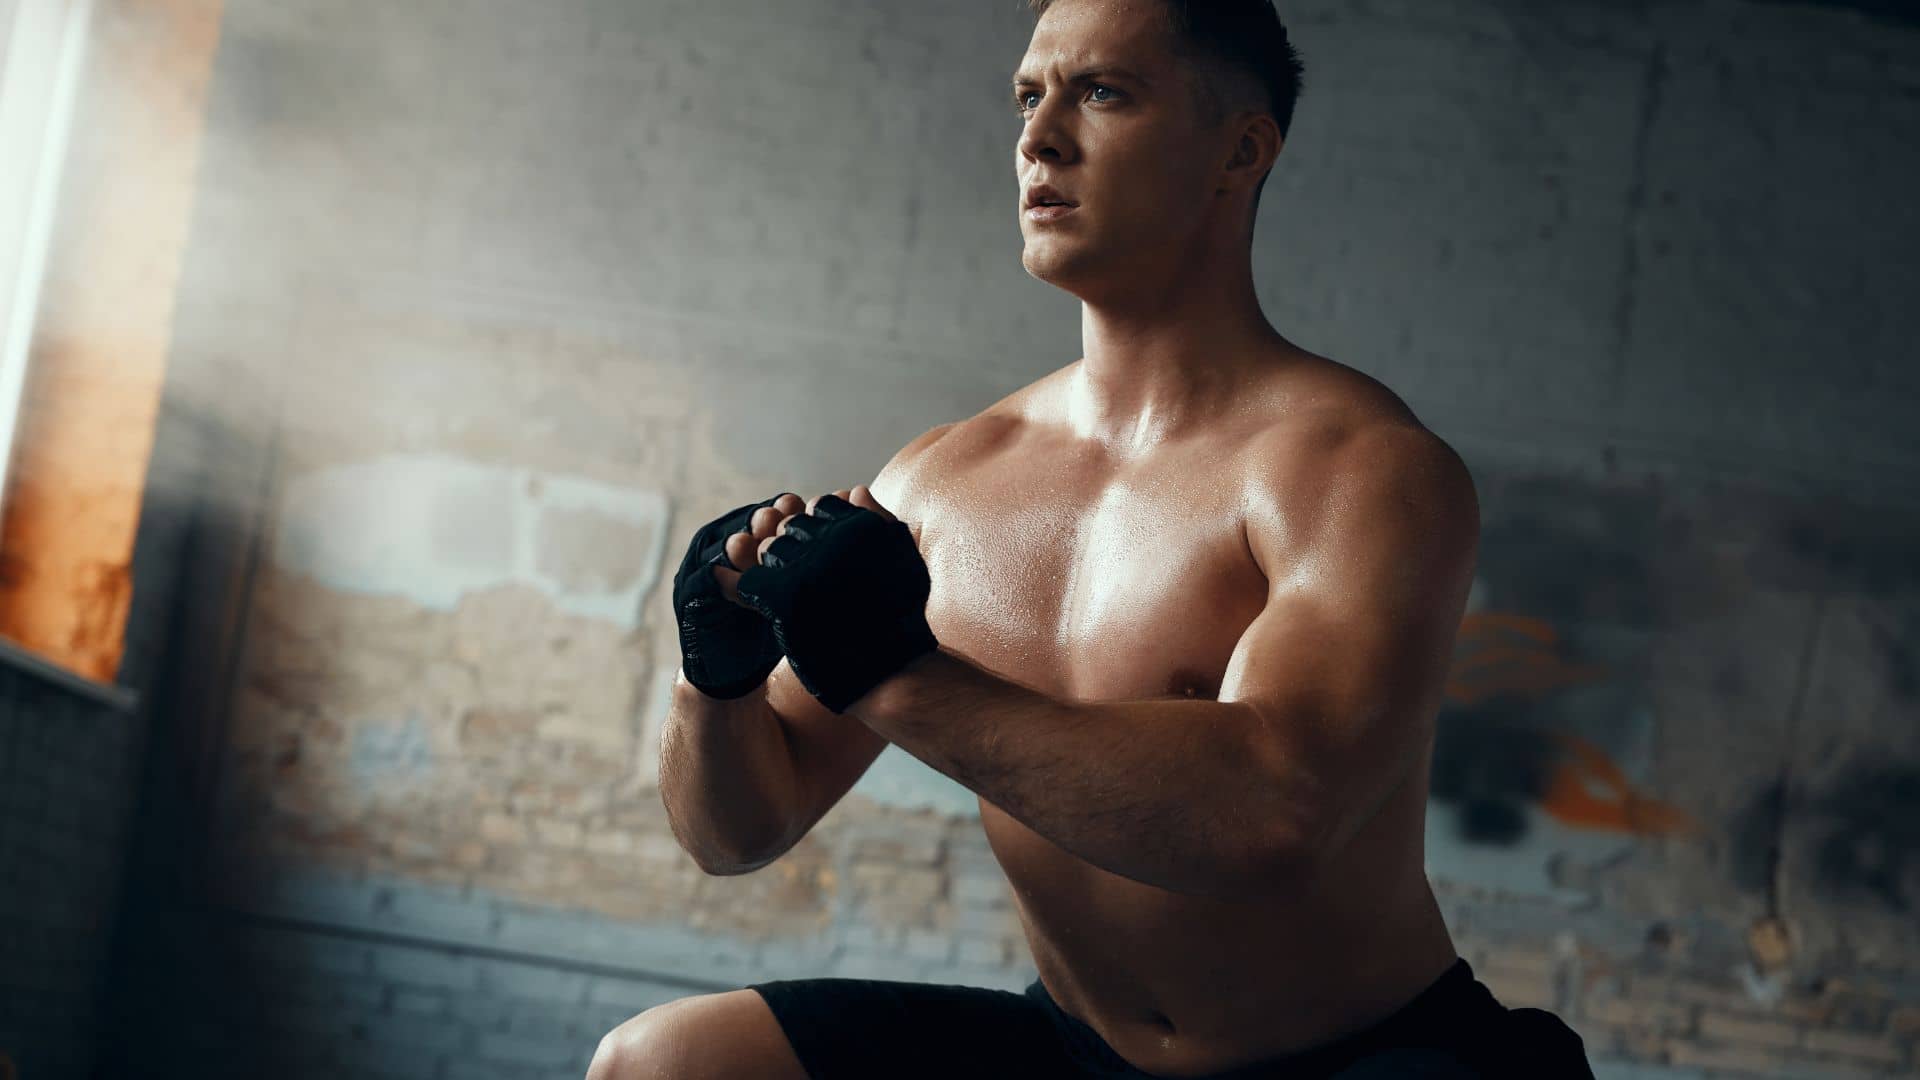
704 1037
623 1052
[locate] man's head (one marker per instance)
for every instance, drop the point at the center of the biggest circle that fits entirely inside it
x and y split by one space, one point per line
1161 118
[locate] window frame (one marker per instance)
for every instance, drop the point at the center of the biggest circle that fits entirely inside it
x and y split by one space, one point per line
43 46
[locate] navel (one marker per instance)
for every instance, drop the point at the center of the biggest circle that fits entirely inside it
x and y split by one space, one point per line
1187 682
1194 683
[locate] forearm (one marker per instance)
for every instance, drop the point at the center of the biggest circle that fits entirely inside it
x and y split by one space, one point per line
726 777
1170 793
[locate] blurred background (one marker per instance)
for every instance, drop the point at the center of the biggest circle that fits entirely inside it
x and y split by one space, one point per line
364 368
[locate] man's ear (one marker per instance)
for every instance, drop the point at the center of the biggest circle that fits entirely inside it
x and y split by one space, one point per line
1257 148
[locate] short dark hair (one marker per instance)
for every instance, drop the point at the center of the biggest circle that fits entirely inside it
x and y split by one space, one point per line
1245 37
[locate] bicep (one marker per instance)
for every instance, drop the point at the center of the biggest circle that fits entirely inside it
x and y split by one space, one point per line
1347 660
1343 701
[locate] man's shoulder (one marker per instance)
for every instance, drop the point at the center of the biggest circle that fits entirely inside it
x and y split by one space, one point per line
936 452
1331 396
1340 428
1331 405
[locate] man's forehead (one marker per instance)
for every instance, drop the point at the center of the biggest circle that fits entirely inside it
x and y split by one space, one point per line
1078 37
1085 66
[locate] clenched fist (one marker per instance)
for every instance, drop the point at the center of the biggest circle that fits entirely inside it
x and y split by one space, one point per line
745 547
844 589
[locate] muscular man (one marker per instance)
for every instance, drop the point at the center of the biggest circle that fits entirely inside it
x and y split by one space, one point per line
1180 614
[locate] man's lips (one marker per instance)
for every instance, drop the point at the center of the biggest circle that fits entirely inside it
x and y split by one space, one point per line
1039 194
1049 212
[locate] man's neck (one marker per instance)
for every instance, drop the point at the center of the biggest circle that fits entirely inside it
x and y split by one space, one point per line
1151 371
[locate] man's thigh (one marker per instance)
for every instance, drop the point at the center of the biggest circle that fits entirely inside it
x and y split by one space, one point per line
853 1028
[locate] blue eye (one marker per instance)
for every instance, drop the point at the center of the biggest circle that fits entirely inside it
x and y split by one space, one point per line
1020 100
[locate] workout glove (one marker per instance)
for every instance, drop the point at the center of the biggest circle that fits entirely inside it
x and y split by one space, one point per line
725 649
846 593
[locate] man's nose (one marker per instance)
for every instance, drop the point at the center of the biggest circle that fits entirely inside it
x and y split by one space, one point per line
1045 133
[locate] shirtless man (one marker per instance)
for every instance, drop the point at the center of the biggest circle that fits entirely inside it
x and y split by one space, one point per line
1180 613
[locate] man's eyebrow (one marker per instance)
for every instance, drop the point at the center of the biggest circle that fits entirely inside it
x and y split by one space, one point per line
1084 74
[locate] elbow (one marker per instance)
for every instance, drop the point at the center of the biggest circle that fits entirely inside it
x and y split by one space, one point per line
712 868
710 863
730 854
742 861
732 867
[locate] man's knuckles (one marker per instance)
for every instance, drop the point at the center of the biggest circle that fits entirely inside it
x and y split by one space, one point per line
740 551
747 549
844 494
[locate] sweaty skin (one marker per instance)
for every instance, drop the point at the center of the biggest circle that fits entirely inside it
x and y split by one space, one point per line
1089 576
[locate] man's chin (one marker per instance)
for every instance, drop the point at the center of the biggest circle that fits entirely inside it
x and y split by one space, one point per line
1057 268
1048 259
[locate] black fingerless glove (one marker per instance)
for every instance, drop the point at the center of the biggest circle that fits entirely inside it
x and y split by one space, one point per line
725 649
846 593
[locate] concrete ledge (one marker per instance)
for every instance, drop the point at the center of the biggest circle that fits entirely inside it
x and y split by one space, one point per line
119 698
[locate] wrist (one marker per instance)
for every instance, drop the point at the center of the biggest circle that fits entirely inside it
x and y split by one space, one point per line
889 706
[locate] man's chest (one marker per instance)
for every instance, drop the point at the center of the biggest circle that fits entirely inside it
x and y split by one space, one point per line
1091 587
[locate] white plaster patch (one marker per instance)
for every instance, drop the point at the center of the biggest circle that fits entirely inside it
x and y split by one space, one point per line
433 528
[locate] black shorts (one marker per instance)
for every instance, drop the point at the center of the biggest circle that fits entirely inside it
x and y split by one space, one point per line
853 1028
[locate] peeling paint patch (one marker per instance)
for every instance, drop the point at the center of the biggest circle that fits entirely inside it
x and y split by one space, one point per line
1540 757
433 528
